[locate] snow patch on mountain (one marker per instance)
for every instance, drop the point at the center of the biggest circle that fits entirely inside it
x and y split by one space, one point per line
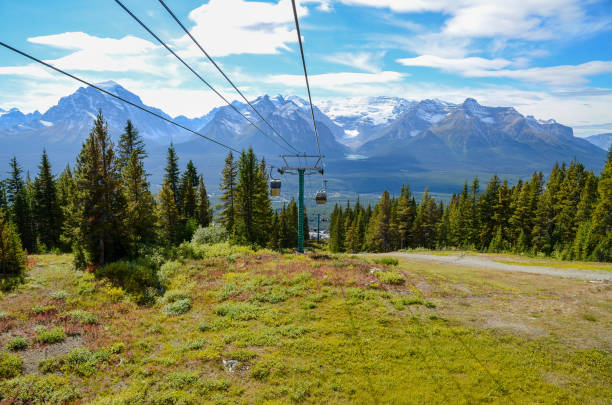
366 110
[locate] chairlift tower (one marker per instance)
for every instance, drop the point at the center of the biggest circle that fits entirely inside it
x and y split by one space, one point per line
300 171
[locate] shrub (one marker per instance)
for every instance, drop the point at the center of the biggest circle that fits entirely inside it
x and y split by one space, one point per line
54 335
209 235
138 278
10 365
38 389
167 271
17 343
239 311
204 326
390 277
83 317
195 344
12 257
175 295
178 307
115 294
59 295
387 261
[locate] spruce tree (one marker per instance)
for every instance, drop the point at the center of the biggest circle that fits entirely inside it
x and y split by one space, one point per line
139 201
47 215
602 216
172 174
229 176
19 207
168 216
12 257
188 190
203 214
378 239
130 142
99 205
66 195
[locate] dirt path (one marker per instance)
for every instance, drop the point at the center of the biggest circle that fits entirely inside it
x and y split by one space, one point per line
488 263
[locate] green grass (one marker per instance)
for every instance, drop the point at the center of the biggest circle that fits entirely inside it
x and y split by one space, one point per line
558 264
307 329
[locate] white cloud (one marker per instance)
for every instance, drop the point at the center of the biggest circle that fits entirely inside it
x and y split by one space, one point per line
34 71
336 80
563 75
460 65
228 27
526 19
366 61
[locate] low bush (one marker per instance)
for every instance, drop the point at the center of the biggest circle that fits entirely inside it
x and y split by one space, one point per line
177 307
17 343
138 278
238 311
84 317
38 389
10 365
390 277
53 335
59 295
210 235
387 261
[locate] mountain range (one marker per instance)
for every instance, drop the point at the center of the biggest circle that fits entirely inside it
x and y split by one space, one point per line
369 143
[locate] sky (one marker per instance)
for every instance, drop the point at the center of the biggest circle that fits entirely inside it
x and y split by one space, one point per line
546 58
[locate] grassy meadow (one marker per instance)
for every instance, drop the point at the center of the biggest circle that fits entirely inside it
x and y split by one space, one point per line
245 327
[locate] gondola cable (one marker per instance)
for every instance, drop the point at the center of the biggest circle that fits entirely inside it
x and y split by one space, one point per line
195 73
178 21
116 96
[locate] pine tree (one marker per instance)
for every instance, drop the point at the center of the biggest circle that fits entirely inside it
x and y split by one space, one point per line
99 203
378 238
20 212
47 216
203 214
168 216
228 187
602 216
12 257
189 183
130 142
486 205
140 204
66 198
252 205
426 222
172 175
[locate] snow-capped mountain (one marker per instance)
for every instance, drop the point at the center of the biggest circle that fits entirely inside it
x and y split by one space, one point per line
370 143
604 141
360 117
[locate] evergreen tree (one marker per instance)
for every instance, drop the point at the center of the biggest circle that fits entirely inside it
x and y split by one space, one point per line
228 187
486 204
47 216
20 212
189 183
66 199
139 201
129 143
203 214
168 216
172 175
602 216
252 204
99 204
426 222
12 257
379 235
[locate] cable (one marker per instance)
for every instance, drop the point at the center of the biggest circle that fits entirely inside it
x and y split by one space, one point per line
194 72
222 72
314 124
115 96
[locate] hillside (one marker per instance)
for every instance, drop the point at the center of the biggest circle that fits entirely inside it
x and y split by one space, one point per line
370 143
604 141
262 327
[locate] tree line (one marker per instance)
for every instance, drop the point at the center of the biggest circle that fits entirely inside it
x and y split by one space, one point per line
568 216
102 209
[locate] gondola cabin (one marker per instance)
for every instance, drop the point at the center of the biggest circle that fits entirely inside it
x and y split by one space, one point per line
275 187
321 197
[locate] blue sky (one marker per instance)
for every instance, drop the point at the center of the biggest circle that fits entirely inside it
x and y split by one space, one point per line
547 58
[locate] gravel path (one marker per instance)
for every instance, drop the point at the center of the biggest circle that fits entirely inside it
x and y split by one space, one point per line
487 263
